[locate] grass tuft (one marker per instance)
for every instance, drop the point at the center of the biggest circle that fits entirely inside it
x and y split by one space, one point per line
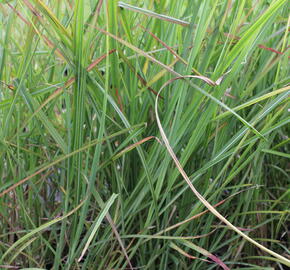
94 158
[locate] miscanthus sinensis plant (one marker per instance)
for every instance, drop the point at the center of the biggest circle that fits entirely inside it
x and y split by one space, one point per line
144 135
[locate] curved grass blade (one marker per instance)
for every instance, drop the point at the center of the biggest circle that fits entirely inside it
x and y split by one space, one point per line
282 259
39 229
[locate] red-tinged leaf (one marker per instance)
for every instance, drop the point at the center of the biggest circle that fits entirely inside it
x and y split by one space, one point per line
205 253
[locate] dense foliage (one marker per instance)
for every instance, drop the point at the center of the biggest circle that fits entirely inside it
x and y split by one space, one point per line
87 177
